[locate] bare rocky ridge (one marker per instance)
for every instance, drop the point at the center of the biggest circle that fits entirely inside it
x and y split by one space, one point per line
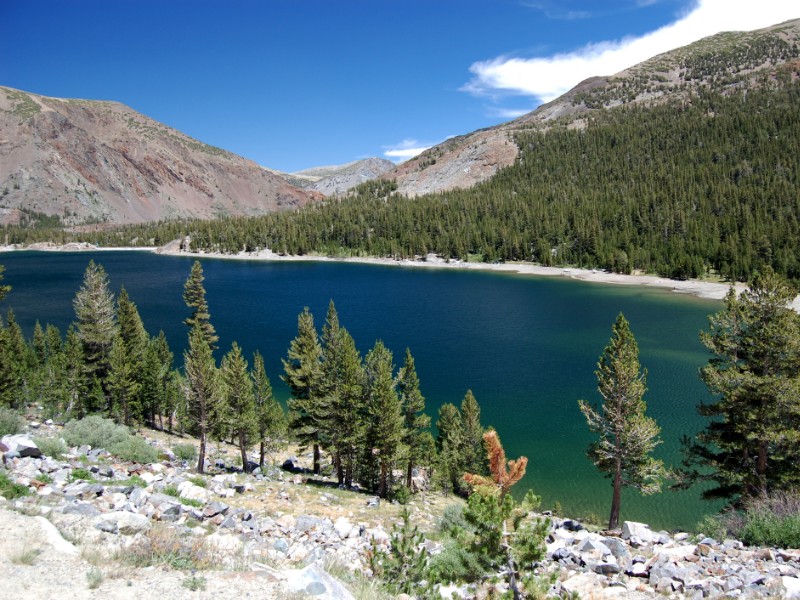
723 61
338 179
102 162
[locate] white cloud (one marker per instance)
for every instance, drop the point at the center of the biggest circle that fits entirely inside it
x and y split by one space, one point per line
408 148
546 78
508 113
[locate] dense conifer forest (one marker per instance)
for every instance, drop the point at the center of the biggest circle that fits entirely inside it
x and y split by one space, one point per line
683 189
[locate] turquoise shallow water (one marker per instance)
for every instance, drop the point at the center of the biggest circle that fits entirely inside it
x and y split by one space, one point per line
526 346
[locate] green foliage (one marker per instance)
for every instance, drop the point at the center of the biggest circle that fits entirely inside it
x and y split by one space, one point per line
135 449
94 431
751 446
52 447
136 481
626 436
405 567
10 490
401 494
186 452
202 390
82 474
194 583
681 188
766 521
11 421
96 329
94 577
194 294
240 419
302 368
271 419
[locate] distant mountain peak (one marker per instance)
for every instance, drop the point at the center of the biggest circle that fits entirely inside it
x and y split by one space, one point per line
89 161
726 60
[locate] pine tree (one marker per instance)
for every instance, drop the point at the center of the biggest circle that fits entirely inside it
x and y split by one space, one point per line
156 379
751 447
450 446
240 407
416 422
123 385
270 418
201 390
303 374
474 455
506 535
75 379
342 383
627 436
96 322
134 340
384 416
39 343
194 295
4 289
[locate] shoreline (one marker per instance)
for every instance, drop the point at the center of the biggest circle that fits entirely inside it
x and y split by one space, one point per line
701 289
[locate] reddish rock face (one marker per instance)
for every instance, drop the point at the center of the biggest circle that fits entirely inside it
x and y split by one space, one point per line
90 162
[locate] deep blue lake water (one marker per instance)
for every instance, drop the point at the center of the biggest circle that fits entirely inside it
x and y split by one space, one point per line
526 346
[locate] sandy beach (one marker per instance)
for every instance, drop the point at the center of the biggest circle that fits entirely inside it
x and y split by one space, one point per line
702 289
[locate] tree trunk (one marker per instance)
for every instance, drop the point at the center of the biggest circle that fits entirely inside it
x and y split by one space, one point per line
613 520
408 473
761 470
382 484
317 468
261 452
243 450
339 467
201 460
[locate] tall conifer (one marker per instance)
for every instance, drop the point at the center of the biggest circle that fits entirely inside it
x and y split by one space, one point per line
303 374
626 436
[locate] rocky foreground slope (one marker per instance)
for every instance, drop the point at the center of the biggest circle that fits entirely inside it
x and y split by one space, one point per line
146 531
86 161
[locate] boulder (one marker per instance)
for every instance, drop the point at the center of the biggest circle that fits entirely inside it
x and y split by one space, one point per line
215 508
631 530
22 445
791 587
122 522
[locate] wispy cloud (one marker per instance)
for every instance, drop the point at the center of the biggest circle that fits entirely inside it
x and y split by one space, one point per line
551 11
546 78
507 113
408 148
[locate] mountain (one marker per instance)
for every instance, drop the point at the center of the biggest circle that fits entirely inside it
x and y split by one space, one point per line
723 62
89 161
338 179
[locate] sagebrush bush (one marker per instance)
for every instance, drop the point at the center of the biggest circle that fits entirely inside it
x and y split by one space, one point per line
134 449
52 447
11 422
95 431
771 521
10 490
184 451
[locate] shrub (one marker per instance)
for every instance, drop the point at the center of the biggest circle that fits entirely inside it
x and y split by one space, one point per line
96 432
81 473
199 481
772 521
135 449
52 447
165 546
10 490
401 494
11 422
136 481
185 452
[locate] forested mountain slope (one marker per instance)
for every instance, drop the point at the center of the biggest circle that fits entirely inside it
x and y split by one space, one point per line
721 62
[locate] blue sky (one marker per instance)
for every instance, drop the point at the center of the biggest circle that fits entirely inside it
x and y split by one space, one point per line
292 84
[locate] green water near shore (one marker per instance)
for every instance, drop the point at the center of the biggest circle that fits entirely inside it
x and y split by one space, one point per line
527 346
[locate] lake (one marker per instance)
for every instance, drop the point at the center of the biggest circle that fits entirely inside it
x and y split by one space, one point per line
527 346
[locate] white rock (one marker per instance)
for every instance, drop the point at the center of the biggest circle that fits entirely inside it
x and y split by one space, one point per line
791 586
54 537
122 522
190 491
641 531
343 527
